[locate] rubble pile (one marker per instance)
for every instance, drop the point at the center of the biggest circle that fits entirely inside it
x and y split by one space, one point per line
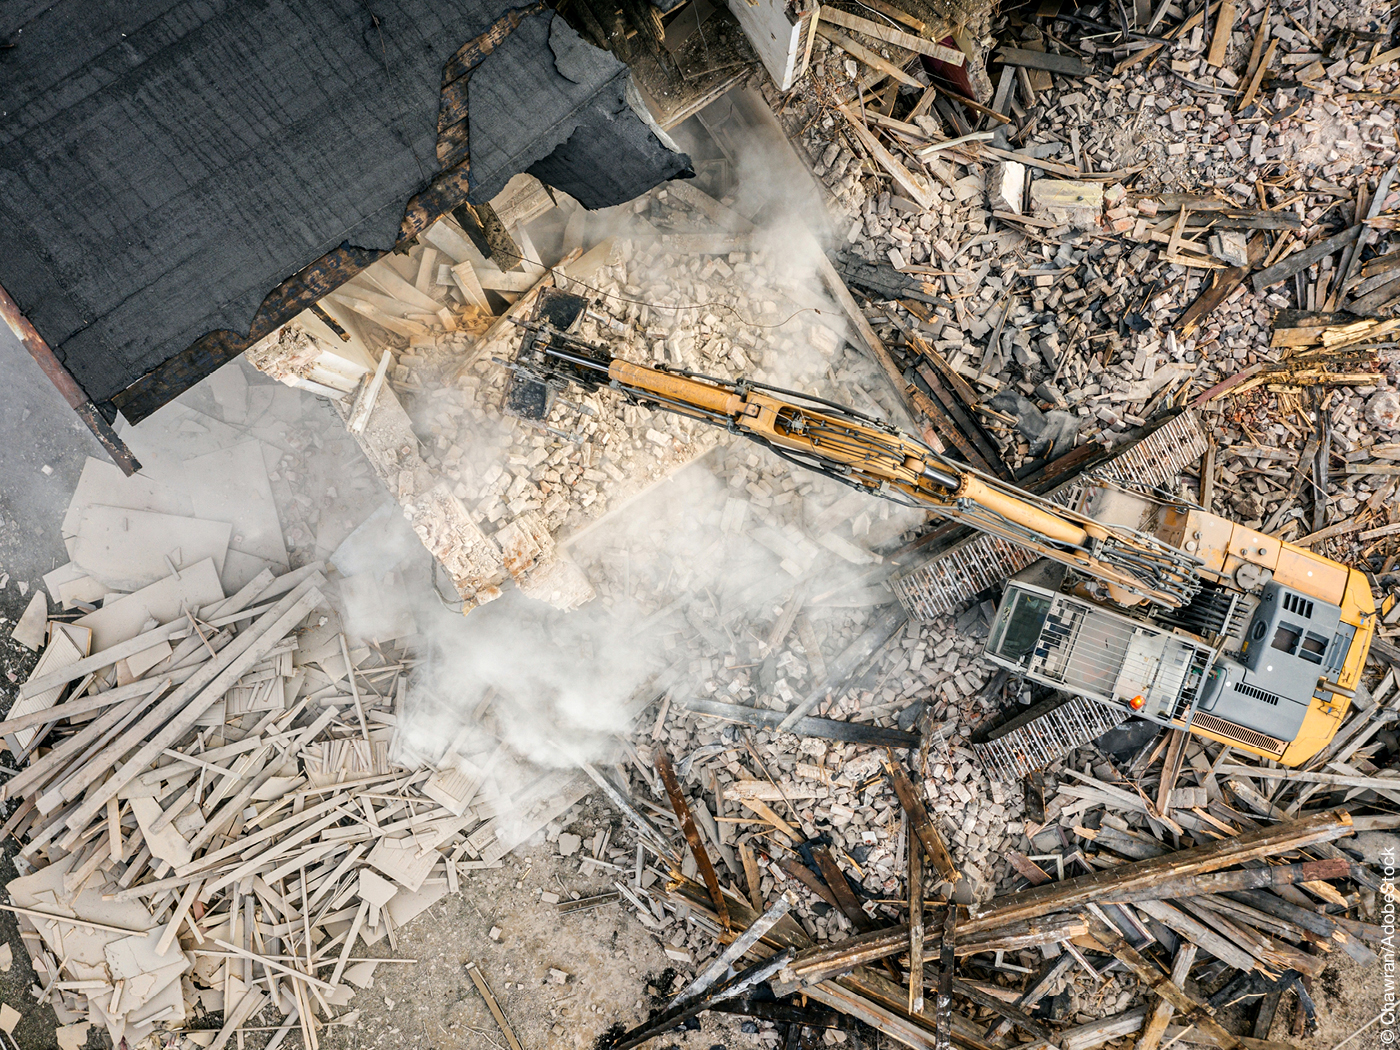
1057 255
1110 862
232 787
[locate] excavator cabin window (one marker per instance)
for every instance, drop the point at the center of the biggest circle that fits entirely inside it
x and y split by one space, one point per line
1020 624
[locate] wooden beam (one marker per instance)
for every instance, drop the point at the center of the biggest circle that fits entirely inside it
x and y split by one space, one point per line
1171 769
692 834
861 53
1198 1012
890 35
922 830
916 926
1065 65
1041 901
66 385
479 979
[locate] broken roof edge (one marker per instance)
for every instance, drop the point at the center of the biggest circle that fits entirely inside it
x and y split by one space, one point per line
303 282
447 191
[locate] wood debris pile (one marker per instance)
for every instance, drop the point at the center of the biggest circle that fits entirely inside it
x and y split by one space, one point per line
1154 888
204 835
216 830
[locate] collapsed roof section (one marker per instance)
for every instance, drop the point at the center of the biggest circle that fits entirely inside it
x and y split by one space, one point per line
178 179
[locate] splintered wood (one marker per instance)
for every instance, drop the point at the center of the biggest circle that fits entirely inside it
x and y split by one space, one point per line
219 828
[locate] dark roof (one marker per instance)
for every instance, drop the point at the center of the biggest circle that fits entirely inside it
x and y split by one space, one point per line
164 164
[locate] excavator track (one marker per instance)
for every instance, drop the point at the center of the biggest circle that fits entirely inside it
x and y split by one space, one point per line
1033 740
960 572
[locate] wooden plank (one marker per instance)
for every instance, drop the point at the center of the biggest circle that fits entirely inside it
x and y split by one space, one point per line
692 834
62 652
369 393
1299 261
64 920
41 770
1171 768
766 813
751 877
906 1031
971 104
1208 474
479 979
795 869
1196 1011
1220 37
916 928
1028 869
1193 930
1257 49
947 963
898 14
251 1003
182 907
1028 999
917 187
921 825
1252 87
72 672
1019 1018
219 614
1117 175
1065 65
1162 1011
1310 777
1226 385
114 829
243 953
350 936
863 54
841 889
890 35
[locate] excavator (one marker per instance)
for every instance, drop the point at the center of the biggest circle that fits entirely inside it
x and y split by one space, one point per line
1133 602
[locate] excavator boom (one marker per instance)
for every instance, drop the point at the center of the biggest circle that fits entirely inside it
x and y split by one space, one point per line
1199 624
868 454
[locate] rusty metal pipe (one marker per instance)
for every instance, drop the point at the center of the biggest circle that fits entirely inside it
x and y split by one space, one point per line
63 380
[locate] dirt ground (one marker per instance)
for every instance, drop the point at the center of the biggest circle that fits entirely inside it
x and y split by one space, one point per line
1348 995
609 956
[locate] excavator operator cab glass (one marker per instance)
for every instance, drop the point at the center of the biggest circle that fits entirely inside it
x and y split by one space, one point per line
1018 625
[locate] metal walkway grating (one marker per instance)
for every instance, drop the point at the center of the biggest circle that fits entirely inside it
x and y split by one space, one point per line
1159 458
959 573
1042 740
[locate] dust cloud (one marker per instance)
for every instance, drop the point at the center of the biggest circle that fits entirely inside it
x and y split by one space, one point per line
518 687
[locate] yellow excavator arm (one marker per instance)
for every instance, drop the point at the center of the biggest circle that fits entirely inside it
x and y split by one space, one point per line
871 455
